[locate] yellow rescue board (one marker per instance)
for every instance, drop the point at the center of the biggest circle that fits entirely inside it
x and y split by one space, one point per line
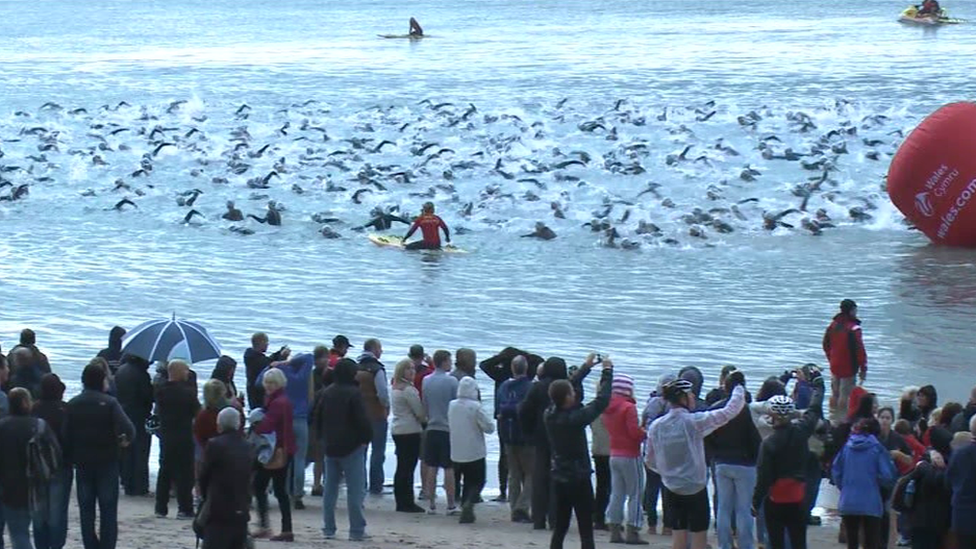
391 241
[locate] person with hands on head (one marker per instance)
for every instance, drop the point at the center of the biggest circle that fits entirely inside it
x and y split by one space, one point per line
781 470
566 421
676 451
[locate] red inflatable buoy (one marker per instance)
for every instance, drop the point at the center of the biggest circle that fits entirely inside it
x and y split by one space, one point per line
932 178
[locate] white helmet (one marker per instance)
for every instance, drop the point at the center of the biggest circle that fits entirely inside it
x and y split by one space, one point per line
781 405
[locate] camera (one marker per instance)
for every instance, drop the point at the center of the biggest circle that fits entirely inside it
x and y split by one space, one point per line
598 358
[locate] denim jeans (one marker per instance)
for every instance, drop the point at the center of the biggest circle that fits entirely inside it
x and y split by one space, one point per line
761 533
300 428
626 485
352 467
98 484
735 485
51 520
377 476
18 524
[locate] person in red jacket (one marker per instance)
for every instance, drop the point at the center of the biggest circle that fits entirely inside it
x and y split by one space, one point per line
844 347
626 470
430 226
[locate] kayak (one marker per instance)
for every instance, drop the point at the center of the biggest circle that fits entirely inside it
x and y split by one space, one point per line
390 241
403 36
910 17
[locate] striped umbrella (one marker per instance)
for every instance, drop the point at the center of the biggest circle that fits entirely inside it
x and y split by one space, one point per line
156 340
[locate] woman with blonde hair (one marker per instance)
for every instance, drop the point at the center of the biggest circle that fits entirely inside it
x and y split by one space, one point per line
277 420
214 400
409 418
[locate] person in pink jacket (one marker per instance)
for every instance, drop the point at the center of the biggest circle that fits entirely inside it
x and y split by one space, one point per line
626 469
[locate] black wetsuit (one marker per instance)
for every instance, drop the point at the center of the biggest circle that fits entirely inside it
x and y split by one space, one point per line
385 221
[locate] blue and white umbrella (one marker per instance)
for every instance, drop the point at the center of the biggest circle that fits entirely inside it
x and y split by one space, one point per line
158 339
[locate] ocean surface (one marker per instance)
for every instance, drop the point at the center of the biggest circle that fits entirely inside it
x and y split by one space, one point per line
511 91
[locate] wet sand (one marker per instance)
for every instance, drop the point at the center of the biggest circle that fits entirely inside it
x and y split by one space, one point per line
139 529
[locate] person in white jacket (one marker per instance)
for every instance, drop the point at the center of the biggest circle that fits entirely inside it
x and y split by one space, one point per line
409 417
676 451
469 423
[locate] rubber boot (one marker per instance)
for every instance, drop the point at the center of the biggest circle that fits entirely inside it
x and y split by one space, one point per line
633 537
467 513
616 533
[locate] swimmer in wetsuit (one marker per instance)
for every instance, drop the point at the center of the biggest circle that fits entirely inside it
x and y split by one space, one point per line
383 220
415 29
430 226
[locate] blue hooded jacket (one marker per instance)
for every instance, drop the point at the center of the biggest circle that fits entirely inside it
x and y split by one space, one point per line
860 470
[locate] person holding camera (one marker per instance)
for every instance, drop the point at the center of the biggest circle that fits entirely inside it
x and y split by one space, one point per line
255 362
676 451
781 480
566 421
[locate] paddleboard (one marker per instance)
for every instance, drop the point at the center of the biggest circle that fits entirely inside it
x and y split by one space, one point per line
391 241
403 36
910 17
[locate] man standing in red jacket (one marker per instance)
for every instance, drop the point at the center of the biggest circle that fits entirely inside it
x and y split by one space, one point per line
844 347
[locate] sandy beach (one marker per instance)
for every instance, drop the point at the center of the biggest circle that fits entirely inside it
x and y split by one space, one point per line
139 529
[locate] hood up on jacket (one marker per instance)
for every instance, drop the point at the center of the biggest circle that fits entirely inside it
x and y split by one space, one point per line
345 372
115 338
554 368
52 389
694 375
860 442
468 389
224 369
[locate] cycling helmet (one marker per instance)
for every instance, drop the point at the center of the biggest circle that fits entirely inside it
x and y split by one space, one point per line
781 405
676 389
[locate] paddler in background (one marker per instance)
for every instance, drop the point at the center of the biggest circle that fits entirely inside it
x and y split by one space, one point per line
430 226
415 29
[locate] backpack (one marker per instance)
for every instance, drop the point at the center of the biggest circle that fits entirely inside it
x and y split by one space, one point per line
43 464
509 424
903 497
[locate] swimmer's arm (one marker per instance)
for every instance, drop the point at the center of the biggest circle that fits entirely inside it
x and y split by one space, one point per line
415 27
374 224
447 232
